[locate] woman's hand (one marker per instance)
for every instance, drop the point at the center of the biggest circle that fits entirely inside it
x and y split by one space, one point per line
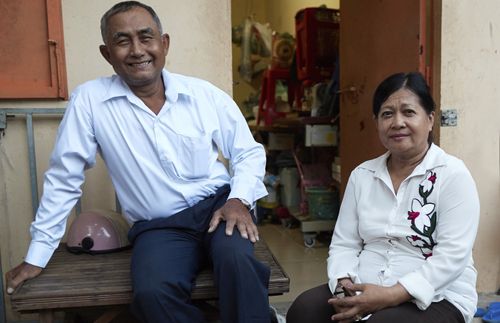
371 299
344 288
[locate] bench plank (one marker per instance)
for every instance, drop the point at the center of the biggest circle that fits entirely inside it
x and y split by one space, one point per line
74 281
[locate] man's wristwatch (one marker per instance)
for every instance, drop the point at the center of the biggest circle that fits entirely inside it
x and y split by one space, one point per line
245 203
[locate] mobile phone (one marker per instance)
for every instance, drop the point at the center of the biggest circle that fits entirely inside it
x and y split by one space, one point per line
342 291
348 292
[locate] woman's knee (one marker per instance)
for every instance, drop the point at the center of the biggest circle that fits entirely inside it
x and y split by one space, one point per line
392 314
298 308
311 306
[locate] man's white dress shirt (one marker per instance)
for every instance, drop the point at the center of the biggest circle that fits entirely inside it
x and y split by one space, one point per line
159 164
421 237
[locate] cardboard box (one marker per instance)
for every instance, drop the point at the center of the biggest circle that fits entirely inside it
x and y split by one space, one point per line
321 135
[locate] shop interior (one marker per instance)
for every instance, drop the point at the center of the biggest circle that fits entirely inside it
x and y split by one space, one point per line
287 58
285 80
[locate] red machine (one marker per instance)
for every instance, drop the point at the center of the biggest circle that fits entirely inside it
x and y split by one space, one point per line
317 33
317 42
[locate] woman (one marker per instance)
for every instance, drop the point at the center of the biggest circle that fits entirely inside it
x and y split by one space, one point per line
403 241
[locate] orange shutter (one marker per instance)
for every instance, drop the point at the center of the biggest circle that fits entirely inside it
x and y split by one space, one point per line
32 62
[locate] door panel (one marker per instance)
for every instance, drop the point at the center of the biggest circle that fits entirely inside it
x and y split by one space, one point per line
32 61
377 39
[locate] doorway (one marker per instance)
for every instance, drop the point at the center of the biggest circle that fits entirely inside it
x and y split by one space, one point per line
377 38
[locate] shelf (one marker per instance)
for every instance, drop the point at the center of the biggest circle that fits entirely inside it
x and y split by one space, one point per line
336 183
308 224
317 120
292 124
277 128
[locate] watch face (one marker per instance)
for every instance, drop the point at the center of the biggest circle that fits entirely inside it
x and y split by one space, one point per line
245 203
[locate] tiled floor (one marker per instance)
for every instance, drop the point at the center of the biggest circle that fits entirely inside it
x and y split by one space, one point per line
306 267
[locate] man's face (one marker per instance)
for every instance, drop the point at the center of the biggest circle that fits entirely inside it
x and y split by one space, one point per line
135 48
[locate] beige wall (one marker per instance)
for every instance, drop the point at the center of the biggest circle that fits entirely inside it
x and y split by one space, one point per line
470 65
200 46
240 10
282 12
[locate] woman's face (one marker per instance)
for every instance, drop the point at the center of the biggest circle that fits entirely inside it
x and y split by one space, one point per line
403 124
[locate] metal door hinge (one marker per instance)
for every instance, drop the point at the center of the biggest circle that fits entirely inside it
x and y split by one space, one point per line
3 123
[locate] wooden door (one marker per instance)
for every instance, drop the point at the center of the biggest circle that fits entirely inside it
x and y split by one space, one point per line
377 38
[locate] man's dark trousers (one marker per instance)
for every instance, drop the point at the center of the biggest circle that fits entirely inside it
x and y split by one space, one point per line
169 252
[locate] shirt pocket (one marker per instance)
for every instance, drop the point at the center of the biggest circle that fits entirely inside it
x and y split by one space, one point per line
194 157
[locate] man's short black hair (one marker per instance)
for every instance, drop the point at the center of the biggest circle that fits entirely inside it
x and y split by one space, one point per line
123 7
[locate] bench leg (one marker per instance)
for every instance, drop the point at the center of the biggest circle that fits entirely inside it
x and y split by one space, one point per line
46 316
108 316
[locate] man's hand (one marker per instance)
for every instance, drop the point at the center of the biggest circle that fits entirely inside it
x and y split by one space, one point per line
17 276
372 298
235 214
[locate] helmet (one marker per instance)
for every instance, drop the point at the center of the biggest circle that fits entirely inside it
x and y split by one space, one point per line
98 231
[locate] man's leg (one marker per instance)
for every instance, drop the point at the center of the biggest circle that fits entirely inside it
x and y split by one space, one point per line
164 266
241 280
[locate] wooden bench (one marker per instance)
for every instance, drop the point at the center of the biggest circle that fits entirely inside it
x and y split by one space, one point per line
77 281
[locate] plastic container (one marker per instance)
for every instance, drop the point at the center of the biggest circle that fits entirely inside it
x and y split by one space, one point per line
322 203
290 187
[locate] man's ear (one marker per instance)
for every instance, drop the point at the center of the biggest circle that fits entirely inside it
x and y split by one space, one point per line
165 39
105 53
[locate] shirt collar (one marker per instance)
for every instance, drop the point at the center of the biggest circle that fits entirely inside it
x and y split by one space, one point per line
435 157
173 88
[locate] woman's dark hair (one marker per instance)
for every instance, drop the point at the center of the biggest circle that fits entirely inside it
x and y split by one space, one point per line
124 7
412 81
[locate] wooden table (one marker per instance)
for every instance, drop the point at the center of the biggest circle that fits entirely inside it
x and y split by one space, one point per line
74 281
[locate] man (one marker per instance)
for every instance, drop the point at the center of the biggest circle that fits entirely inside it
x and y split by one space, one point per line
159 134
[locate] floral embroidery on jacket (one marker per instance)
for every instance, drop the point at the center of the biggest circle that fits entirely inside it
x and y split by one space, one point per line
423 217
